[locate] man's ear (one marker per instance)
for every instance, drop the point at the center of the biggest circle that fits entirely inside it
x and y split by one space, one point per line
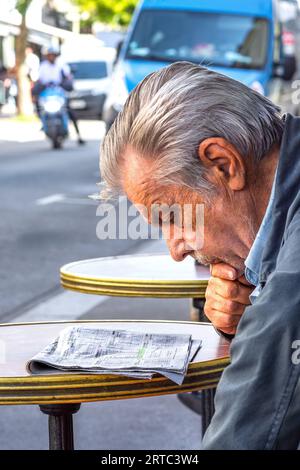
224 163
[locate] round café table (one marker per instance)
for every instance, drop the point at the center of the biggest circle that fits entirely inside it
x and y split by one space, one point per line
136 276
147 275
60 394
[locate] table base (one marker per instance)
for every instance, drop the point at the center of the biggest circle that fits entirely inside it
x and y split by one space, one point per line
61 436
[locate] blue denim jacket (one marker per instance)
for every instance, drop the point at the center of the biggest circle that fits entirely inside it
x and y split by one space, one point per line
257 401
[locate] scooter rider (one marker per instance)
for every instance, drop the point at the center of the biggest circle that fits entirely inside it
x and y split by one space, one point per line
53 71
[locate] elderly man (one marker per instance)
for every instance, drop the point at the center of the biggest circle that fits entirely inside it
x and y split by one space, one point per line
190 135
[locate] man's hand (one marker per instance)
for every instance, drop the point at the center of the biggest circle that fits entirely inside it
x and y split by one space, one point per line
226 297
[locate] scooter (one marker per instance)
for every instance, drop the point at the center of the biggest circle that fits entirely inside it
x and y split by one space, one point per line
54 114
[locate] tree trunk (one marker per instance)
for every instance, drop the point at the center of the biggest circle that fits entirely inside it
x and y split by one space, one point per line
24 101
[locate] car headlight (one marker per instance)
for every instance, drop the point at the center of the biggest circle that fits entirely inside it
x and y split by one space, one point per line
257 86
118 93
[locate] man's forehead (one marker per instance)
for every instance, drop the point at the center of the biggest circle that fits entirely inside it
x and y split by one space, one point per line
142 188
134 165
137 179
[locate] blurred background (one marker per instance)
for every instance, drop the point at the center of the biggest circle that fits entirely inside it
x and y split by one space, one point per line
66 69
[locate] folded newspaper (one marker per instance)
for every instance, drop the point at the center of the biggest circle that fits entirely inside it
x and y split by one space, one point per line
122 352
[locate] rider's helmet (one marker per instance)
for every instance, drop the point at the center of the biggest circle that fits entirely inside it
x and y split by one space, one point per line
50 50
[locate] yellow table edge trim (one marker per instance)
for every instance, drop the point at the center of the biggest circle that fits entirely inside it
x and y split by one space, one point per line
147 293
53 400
105 320
133 282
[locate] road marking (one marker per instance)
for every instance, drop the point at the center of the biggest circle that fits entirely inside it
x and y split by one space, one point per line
44 201
62 198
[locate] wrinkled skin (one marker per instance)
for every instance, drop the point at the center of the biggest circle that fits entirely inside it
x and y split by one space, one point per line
232 217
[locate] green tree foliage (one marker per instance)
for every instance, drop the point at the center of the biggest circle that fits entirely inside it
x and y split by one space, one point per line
22 5
116 12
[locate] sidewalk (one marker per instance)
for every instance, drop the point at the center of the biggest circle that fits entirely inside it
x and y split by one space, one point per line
21 130
14 129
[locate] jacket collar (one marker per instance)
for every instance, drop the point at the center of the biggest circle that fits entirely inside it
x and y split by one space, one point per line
287 187
254 258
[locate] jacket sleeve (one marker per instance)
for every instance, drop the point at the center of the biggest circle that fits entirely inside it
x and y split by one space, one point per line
257 388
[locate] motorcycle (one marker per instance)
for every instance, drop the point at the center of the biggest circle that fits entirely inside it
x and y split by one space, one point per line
54 115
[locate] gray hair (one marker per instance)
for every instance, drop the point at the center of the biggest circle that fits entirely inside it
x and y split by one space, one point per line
169 114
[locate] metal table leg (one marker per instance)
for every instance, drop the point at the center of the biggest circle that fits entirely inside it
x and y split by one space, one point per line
207 396
61 425
198 305
202 402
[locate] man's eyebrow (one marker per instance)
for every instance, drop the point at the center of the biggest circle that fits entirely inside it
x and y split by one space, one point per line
145 195
159 212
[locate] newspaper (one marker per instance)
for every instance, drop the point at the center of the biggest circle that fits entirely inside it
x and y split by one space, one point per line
122 352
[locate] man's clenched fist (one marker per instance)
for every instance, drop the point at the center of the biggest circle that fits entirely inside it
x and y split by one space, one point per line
226 297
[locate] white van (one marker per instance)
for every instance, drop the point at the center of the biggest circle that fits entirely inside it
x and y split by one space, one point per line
91 65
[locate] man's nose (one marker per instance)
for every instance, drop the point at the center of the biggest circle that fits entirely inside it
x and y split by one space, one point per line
179 249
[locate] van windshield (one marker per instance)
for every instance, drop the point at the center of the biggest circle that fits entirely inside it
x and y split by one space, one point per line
88 70
210 38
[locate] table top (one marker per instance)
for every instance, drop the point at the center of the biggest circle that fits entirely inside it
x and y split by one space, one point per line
20 342
136 276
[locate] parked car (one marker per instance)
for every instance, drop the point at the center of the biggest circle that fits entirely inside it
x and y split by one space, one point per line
91 83
241 39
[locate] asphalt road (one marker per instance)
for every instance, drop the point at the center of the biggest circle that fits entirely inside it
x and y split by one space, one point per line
38 233
46 221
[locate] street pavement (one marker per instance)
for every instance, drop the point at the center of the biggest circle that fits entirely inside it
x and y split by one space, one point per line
46 221
46 217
